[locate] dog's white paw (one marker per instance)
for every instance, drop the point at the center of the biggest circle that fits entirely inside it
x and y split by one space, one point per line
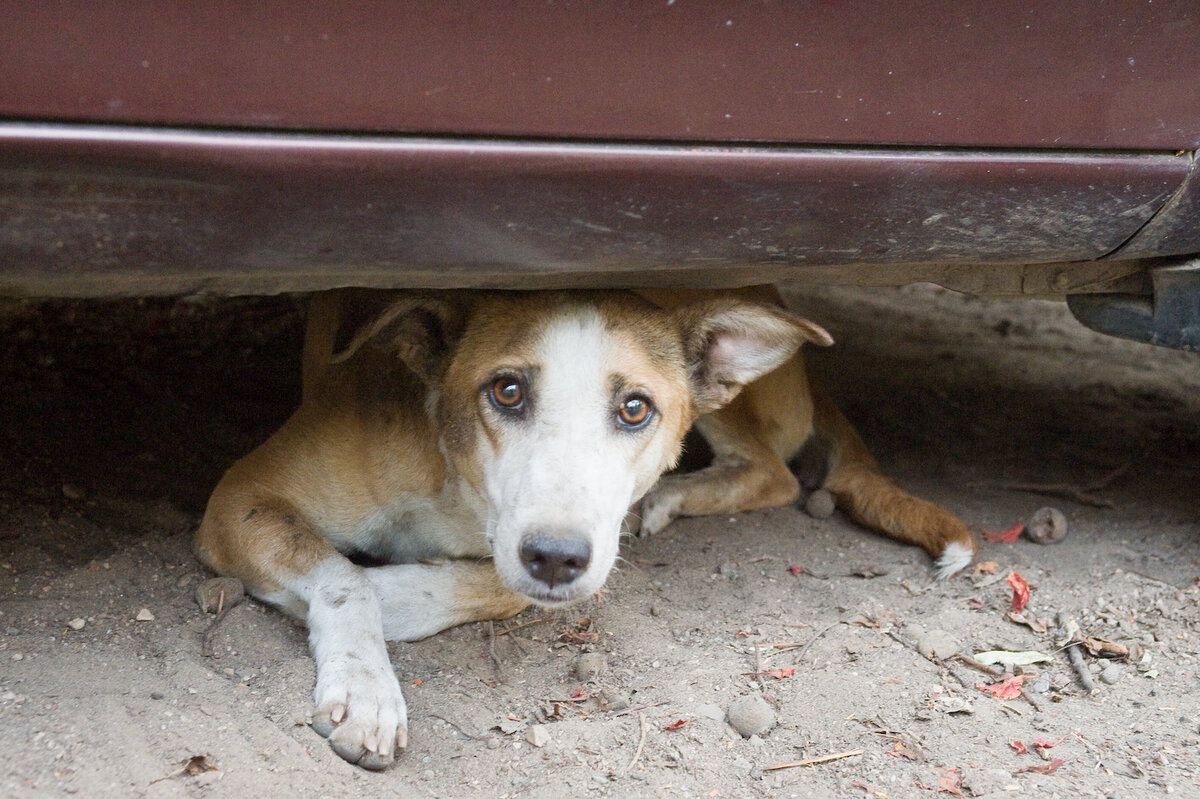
361 710
659 508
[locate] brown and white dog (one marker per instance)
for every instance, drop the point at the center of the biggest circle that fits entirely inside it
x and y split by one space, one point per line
487 446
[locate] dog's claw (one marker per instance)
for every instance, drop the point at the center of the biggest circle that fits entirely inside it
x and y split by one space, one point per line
361 711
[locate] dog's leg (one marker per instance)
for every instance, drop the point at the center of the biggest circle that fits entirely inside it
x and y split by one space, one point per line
747 437
282 560
875 501
420 599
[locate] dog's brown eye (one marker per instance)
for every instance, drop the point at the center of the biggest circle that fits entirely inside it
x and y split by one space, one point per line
507 394
634 411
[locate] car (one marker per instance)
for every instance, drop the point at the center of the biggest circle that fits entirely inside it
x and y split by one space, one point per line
1037 149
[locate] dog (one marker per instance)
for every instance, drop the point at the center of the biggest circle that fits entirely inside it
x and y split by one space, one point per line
486 447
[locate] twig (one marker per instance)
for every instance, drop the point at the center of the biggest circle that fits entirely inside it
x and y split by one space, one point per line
496 665
516 627
1075 652
1081 494
813 761
637 753
758 669
206 645
635 709
813 640
457 727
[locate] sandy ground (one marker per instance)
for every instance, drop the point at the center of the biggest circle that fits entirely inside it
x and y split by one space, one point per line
117 419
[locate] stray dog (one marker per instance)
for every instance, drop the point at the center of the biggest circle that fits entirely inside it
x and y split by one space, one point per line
487 446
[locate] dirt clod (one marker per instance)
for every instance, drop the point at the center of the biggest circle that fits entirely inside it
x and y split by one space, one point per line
589 666
218 593
751 715
937 644
1046 526
819 504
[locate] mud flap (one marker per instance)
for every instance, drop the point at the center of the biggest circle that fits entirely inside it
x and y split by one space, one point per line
1168 317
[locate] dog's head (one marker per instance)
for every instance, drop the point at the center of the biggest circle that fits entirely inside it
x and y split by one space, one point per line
562 409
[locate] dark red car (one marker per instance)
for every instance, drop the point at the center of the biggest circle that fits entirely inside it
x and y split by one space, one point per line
232 147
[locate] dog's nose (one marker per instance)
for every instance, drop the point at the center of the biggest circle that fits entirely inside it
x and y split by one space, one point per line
555 559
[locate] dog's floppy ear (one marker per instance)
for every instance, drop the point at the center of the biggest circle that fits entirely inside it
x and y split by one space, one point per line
421 330
729 343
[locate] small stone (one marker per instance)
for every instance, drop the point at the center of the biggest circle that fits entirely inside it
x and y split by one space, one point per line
614 700
937 644
144 615
76 623
589 666
537 735
1040 686
427 775
1111 675
751 715
710 711
17 656
156 695
819 504
493 743
219 592
73 492
953 704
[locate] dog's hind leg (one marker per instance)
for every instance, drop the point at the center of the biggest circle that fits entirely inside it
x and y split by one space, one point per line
871 499
748 438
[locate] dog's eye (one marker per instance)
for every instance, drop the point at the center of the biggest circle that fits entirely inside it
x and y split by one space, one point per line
634 411
507 393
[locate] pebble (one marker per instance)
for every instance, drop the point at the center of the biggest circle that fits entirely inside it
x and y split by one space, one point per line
819 504
1040 686
76 623
209 593
589 666
1112 674
493 743
751 715
144 615
537 735
937 643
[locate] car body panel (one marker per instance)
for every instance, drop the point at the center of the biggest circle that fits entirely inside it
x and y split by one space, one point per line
1115 74
88 210
288 145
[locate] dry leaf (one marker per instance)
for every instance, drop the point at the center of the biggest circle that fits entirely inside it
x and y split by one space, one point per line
950 781
1033 624
1019 747
1008 536
1020 590
1048 768
676 724
1005 689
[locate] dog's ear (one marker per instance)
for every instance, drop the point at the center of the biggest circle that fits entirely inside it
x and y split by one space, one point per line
420 330
729 343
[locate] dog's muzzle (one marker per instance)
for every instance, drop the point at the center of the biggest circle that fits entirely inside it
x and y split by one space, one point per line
555 559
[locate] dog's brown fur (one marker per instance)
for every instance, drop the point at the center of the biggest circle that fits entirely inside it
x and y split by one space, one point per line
394 454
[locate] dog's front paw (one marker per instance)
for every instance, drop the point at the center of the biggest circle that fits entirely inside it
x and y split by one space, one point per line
360 709
659 508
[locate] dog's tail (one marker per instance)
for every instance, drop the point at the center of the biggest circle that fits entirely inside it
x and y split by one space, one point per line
873 500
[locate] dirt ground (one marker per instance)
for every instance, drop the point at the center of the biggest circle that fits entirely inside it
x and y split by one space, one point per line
118 417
